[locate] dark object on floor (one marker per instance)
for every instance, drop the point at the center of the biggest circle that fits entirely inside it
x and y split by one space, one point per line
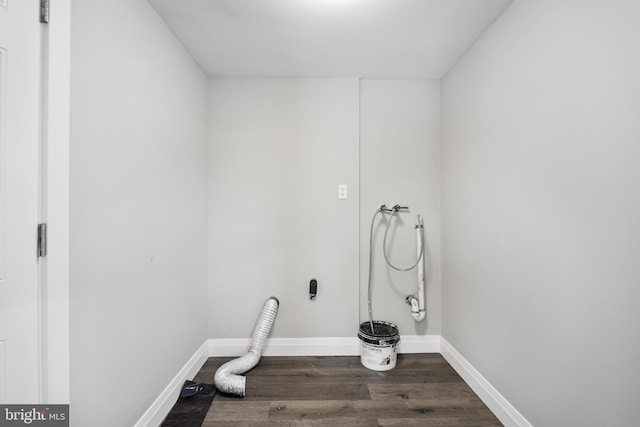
192 405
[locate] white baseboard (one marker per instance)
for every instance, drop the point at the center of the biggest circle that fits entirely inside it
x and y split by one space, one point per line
419 344
159 409
325 346
503 410
287 347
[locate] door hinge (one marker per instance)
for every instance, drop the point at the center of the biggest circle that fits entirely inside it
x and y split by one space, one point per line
42 240
44 11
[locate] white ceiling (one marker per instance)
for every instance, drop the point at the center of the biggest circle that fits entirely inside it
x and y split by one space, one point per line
328 38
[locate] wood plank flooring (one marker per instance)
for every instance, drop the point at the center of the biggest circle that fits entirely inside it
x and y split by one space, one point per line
422 390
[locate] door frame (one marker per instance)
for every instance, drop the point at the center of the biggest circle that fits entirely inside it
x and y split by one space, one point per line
55 322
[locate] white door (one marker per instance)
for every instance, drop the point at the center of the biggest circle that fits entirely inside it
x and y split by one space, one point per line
20 31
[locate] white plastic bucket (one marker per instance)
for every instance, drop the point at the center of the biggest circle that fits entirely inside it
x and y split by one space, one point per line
379 348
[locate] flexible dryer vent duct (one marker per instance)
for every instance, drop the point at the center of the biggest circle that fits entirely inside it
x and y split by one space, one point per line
227 378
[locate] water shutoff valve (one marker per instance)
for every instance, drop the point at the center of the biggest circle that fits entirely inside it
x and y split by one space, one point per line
413 302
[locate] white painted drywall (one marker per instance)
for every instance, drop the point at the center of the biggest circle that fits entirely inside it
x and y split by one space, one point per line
278 149
541 208
400 163
137 208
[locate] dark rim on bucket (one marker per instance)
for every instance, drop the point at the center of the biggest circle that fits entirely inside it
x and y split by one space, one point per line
384 333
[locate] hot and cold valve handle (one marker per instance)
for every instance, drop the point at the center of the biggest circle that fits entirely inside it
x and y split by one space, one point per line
313 289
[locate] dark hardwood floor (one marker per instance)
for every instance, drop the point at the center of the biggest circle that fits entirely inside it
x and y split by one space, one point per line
422 390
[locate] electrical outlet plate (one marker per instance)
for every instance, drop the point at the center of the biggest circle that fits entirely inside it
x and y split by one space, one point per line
342 191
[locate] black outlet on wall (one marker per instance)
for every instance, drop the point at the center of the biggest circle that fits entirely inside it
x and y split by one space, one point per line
313 289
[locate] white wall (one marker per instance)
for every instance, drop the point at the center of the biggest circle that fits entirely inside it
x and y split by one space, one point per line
138 210
278 150
400 163
540 208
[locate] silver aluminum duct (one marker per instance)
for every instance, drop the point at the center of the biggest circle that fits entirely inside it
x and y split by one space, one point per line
227 378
